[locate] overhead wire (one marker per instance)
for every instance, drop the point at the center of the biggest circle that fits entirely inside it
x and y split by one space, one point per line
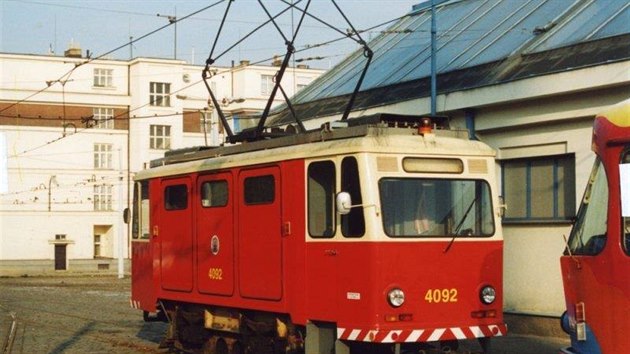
128 112
89 60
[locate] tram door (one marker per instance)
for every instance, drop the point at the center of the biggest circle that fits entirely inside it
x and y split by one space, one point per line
173 230
259 230
215 234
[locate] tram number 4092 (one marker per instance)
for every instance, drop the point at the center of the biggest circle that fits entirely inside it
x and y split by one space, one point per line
215 273
436 296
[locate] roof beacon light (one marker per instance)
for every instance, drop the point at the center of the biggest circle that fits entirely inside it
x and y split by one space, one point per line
426 126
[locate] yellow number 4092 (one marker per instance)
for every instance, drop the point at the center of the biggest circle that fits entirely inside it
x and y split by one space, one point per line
215 274
436 296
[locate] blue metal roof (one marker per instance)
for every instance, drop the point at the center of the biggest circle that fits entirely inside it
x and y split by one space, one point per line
471 33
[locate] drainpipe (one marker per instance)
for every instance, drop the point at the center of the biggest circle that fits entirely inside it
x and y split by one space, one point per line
433 60
469 116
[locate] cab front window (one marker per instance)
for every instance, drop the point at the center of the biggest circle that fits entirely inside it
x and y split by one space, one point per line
436 207
588 236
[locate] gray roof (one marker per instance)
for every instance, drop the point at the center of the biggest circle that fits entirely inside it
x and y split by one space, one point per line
480 42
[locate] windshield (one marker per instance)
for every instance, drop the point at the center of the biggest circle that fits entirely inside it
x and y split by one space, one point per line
436 207
588 236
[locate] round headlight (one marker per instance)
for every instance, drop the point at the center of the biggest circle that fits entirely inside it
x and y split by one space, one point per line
488 295
396 297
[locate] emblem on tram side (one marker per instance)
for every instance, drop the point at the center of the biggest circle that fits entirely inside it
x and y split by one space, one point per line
214 245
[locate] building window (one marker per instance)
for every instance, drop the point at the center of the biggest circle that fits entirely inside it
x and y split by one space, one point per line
103 77
205 121
103 117
266 84
97 246
103 197
539 189
160 136
160 94
103 156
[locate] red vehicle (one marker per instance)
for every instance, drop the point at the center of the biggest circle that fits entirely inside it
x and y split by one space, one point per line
355 239
596 263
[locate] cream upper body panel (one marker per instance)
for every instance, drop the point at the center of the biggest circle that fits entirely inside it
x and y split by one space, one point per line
376 140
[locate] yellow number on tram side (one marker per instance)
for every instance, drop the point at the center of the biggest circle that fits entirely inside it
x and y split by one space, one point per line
215 273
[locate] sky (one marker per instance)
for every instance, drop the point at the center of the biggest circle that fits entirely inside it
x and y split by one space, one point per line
45 26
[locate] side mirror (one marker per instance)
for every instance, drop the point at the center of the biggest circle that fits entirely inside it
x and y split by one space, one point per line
126 215
344 203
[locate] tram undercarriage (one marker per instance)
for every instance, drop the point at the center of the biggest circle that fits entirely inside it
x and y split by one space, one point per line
212 330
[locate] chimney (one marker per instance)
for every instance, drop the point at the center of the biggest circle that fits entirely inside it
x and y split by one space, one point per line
74 51
276 61
244 62
302 66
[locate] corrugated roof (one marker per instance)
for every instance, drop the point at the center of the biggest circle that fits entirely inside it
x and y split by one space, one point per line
501 39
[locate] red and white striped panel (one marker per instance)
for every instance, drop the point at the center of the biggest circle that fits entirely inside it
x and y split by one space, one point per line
134 304
421 335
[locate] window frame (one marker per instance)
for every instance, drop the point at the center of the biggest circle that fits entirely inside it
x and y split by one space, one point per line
164 137
311 202
266 84
172 191
103 117
103 156
485 210
557 209
159 94
103 197
248 195
226 199
353 224
103 77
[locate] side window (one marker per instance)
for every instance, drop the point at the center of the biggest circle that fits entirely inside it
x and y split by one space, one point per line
140 215
214 194
352 224
145 232
259 190
588 236
176 197
321 195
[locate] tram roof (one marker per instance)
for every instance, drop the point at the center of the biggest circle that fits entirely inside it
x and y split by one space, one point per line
618 114
322 144
479 43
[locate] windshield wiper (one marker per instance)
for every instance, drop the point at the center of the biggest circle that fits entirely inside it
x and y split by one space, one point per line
459 225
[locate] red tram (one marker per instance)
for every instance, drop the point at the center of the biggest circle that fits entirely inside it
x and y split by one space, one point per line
596 263
344 240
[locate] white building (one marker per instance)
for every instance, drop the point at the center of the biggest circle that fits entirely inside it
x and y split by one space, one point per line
74 132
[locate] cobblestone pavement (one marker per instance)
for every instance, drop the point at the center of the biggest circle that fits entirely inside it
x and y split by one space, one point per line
92 315
74 315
